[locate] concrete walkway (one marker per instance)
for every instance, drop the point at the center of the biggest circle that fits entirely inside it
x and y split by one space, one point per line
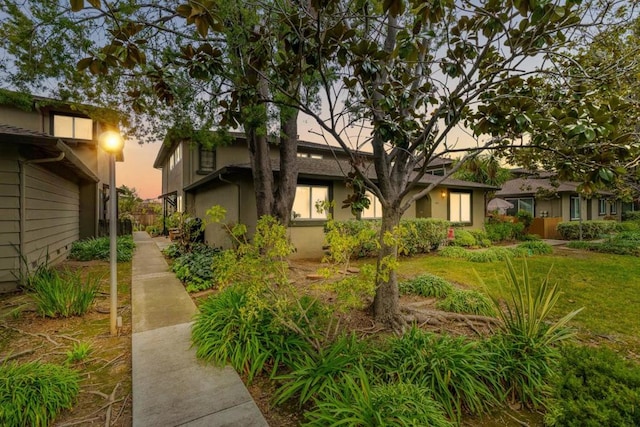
170 386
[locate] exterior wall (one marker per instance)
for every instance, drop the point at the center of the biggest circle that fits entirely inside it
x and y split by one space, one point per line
24 119
9 217
308 241
52 215
231 155
225 196
552 207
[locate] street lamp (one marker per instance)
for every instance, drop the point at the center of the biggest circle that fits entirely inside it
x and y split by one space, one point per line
112 143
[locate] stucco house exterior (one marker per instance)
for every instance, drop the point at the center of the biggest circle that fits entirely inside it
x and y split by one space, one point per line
540 195
53 183
194 179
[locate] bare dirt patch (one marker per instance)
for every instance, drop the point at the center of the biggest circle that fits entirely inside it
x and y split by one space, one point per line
105 388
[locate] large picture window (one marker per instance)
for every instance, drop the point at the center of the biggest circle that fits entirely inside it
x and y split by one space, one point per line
520 204
72 127
307 197
574 207
459 207
375 207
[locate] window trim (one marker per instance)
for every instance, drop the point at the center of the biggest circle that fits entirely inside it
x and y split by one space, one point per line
602 207
449 203
202 170
73 117
571 199
516 201
374 202
613 210
312 221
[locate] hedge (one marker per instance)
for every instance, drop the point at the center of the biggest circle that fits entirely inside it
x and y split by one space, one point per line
422 234
590 229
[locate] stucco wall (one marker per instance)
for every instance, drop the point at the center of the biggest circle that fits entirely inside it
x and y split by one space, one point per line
225 196
24 119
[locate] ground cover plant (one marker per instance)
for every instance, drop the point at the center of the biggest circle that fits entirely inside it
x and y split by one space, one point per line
34 393
469 301
426 285
195 268
623 243
589 229
97 248
101 362
63 294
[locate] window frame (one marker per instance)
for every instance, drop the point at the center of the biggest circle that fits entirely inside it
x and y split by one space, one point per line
73 126
613 209
310 220
375 205
516 202
451 193
602 207
201 168
571 204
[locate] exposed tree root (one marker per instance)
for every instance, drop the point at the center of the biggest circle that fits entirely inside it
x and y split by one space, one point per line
112 399
19 354
38 334
122 408
427 316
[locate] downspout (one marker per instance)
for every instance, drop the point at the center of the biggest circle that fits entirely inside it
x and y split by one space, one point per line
23 203
238 187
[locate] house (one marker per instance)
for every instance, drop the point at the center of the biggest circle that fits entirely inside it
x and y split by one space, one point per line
195 178
53 182
543 196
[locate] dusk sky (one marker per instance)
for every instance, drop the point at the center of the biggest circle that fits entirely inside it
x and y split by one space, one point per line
137 169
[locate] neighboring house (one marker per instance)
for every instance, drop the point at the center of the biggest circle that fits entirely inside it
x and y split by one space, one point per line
194 179
53 182
542 197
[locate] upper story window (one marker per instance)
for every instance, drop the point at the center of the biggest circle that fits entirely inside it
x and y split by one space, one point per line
375 207
207 158
176 156
310 156
459 207
72 127
307 197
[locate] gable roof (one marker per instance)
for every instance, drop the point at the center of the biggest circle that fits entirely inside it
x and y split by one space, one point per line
331 170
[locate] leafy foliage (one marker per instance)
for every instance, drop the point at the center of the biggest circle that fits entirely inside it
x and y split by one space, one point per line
79 352
32 394
173 251
486 255
463 238
594 387
356 402
500 231
98 249
590 229
195 268
63 294
467 301
459 373
624 243
427 285
536 247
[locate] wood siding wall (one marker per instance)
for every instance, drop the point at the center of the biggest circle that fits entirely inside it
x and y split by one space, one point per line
9 221
52 221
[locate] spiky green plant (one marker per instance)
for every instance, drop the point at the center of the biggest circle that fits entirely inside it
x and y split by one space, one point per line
32 394
426 285
356 402
79 352
64 294
467 301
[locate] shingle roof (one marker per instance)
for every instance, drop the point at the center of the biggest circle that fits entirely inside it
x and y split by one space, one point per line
533 185
20 132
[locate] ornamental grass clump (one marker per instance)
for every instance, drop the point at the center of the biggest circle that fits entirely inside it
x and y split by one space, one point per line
97 248
468 301
426 285
63 294
459 374
525 348
33 394
357 402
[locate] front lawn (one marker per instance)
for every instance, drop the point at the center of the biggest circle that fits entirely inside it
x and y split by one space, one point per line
607 286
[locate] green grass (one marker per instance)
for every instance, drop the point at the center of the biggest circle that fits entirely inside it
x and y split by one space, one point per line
607 286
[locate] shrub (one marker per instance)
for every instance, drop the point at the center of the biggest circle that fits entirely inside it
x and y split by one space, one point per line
594 387
525 346
467 301
63 294
503 230
98 249
422 235
631 216
229 330
173 251
454 252
463 238
459 373
318 372
590 229
32 394
536 247
153 230
525 218
624 243
356 402
427 285
482 239
194 269
487 255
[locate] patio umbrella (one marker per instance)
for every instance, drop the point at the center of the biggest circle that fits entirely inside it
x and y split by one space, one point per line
499 205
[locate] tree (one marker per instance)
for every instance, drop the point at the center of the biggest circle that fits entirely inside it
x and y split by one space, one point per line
408 73
128 202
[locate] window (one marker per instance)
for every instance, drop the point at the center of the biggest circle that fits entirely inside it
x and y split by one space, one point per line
176 156
179 206
602 207
207 159
574 207
521 204
375 208
304 205
310 156
459 207
72 127
614 208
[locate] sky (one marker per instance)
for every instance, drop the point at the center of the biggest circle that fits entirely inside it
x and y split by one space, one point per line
137 169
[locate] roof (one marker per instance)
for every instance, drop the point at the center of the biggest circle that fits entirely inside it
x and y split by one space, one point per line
44 146
530 186
334 170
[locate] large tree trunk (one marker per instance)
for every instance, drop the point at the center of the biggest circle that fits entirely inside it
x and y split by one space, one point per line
386 303
288 178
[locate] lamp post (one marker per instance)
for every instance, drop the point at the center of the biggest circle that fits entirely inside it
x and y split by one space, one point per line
112 143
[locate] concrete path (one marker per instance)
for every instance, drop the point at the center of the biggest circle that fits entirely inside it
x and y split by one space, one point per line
170 386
